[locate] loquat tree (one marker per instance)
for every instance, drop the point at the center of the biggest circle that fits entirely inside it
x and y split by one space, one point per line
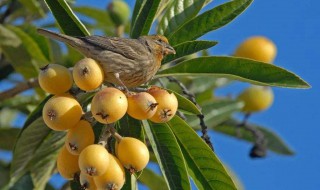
99 110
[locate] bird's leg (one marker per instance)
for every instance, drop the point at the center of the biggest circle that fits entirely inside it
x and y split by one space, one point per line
117 75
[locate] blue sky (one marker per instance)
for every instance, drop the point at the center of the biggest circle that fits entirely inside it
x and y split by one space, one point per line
293 26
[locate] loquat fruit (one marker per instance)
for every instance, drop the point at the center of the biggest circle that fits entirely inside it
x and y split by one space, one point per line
109 105
258 48
55 79
79 137
61 112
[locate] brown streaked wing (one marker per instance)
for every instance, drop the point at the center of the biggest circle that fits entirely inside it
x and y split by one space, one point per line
129 48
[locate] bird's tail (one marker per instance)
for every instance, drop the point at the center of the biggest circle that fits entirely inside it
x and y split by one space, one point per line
73 41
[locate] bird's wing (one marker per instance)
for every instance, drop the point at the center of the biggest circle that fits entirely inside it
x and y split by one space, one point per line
129 48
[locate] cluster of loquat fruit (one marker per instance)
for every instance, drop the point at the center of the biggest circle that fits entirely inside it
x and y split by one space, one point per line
98 168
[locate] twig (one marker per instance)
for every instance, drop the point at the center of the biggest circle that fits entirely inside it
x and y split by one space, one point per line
31 83
191 97
104 136
259 148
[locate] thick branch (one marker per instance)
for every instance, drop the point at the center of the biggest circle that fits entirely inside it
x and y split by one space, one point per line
31 83
191 97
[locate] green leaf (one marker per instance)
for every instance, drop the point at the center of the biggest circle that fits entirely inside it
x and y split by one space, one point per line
204 167
130 127
44 159
101 18
152 180
246 70
31 46
188 48
136 11
145 17
185 104
17 54
209 21
34 142
42 42
168 153
4 174
131 182
34 6
8 137
275 142
67 20
216 112
99 15
178 13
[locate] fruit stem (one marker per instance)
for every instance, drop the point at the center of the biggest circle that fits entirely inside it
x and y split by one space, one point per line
114 133
105 135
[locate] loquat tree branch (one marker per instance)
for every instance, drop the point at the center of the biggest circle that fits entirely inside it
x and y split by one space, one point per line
259 149
191 97
23 86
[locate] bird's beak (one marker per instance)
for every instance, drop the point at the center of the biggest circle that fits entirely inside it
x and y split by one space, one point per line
169 50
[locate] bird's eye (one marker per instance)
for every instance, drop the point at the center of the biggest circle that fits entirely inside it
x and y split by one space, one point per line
160 40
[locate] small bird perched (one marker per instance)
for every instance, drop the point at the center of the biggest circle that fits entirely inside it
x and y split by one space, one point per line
126 62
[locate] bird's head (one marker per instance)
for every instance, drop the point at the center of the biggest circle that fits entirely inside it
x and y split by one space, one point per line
159 44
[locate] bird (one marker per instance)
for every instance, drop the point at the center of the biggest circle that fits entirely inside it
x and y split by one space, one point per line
126 62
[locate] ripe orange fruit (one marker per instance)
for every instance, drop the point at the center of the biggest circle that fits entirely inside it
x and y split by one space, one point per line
167 104
109 105
79 137
141 105
55 79
87 182
67 164
133 154
61 112
258 48
113 178
94 160
256 98
87 74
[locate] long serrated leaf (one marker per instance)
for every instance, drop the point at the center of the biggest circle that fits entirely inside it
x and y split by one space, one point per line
152 180
204 167
67 20
246 70
209 21
8 137
28 142
31 46
144 19
188 48
178 13
216 112
274 141
168 154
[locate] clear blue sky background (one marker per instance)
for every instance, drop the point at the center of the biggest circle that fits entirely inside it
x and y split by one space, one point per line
295 27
